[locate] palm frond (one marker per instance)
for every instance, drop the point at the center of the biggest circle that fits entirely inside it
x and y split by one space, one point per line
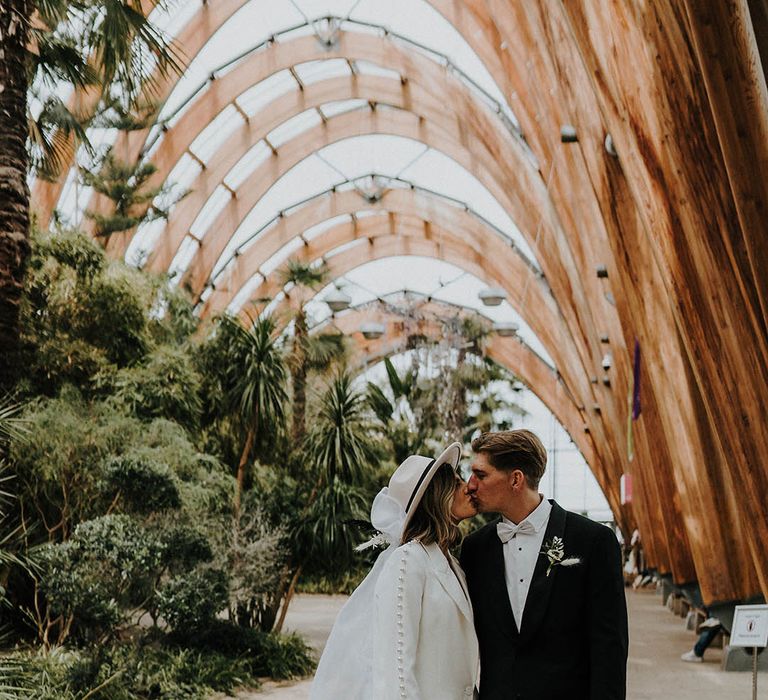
304 274
51 148
398 387
59 58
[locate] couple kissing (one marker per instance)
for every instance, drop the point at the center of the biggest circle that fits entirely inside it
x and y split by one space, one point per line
533 609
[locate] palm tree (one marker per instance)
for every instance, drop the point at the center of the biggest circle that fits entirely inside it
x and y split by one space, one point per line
254 384
307 352
14 193
340 444
108 45
343 454
398 416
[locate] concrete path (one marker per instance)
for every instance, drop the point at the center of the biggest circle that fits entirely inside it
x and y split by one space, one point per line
657 638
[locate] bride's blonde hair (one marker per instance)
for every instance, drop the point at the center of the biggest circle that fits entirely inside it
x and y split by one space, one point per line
432 521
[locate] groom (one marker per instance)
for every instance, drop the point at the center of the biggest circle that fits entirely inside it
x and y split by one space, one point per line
545 584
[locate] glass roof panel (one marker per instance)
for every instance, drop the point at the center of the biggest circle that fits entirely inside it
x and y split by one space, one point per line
413 19
171 17
247 164
428 277
421 23
182 259
331 109
317 229
310 177
245 292
261 19
265 91
389 157
144 241
293 127
216 202
438 172
213 136
281 256
368 68
315 71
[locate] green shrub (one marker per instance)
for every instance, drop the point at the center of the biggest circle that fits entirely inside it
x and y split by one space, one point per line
94 579
124 672
164 385
193 599
269 654
144 485
185 547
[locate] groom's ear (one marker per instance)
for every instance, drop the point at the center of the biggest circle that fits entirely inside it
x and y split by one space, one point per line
516 479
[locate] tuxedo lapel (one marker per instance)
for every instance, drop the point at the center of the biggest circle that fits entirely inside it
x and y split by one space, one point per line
497 583
448 580
541 584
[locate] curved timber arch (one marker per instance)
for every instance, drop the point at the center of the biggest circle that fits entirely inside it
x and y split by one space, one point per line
436 217
511 353
435 80
460 256
195 34
669 216
405 124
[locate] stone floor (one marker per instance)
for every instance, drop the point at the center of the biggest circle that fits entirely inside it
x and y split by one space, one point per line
657 638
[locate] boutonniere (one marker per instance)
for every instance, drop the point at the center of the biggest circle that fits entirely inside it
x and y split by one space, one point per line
555 551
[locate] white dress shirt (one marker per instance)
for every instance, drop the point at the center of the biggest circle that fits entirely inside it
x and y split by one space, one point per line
520 555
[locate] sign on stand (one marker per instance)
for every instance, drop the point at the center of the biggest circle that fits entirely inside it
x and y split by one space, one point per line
750 629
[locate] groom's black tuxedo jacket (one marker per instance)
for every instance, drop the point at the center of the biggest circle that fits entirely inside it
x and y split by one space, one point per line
573 641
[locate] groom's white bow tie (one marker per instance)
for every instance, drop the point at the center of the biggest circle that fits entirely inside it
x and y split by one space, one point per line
506 531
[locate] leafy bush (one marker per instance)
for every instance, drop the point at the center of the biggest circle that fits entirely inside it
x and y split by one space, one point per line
125 672
143 485
256 558
164 385
92 580
269 654
185 547
193 600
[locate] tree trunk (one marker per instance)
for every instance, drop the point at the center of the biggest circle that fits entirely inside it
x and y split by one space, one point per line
14 193
241 471
299 378
288 597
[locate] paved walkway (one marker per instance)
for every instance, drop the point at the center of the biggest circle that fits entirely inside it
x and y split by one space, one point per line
657 638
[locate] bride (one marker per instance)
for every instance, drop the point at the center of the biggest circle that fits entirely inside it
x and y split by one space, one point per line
407 630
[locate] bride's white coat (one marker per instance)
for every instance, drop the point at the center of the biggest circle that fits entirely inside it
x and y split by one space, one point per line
424 643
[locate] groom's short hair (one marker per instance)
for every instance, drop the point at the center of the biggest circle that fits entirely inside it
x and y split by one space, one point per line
514 449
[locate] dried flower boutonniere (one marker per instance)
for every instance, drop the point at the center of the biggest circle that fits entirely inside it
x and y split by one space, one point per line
555 551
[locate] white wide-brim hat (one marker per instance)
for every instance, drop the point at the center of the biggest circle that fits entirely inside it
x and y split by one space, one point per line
411 479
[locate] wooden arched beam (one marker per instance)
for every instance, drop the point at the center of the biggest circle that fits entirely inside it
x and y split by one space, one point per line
535 86
228 87
587 350
434 215
465 258
561 263
209 18
417 69
511 353
657 243
425 88
337 128
485 252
